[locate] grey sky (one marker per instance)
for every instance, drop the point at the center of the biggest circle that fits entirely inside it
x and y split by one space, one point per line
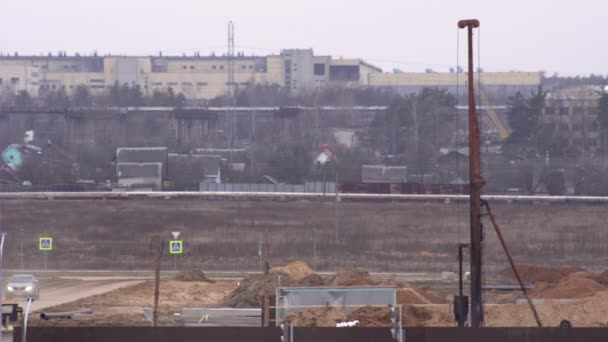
556 36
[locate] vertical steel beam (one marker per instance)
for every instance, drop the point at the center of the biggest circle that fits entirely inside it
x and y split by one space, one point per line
476 182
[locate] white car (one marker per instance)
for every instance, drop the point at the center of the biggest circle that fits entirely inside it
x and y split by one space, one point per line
22 286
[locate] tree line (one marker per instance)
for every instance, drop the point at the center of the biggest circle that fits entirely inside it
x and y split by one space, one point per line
124 95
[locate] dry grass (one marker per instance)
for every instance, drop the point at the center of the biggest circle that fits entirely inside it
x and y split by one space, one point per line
408 236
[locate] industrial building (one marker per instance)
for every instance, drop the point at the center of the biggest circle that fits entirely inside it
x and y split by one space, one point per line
205 77
571 112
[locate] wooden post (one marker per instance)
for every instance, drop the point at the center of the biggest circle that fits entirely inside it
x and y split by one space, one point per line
158 244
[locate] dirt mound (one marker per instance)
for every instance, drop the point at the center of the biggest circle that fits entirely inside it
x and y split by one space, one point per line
352 276
427 316
410 296
317 317
371 316
193 275
297 270
533 274
576 285
432 296
312 279
248 294
602 278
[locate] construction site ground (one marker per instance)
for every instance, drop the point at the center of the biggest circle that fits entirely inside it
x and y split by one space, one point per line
575 295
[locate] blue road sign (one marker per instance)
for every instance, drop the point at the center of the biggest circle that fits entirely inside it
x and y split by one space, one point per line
176 247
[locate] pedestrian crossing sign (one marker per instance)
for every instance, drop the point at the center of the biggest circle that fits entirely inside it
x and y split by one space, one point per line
176 247
46 244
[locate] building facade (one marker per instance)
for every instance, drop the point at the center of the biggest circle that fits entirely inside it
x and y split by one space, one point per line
205 77
571 113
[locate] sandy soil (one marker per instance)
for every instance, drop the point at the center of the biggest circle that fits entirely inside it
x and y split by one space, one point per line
125 306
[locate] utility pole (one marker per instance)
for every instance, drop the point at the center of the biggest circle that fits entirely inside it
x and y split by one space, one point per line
21 255
158 247
231 88
476 182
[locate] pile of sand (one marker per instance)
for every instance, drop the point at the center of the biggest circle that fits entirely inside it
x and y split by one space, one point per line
427 316
587 312
368 316
602 278
410 296
297 270
533 274
352 276
371 316
317 317
253 288
193 275
576 285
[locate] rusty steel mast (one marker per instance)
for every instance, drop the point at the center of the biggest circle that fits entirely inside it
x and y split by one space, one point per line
476 182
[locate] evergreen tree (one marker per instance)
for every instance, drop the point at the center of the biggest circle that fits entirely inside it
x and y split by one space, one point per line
82 97
23 98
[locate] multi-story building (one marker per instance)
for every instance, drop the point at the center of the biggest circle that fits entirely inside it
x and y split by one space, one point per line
572 114
205 77
197 77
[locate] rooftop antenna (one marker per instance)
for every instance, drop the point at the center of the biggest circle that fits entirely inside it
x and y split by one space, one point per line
476 182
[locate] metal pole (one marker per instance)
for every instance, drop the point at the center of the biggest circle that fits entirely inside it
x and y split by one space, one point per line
314 254
503 242
21 255
45 259
462 303
476 182
337 208
260 250
1 259
27 313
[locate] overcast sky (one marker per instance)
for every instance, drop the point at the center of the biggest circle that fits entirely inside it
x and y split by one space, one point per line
555 36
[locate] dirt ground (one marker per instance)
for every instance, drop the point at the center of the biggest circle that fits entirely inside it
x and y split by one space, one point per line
578 296
125 306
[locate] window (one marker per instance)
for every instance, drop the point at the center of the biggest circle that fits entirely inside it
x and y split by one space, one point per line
251 67
97 86
344 72
213 67
186 84
34 74
243 67
245 84
171 84
184 67
319 69
157 84
14 80
201 84
222 67
192 67
97 80
0 81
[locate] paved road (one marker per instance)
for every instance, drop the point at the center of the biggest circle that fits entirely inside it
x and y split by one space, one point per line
217 275
76 289
59 291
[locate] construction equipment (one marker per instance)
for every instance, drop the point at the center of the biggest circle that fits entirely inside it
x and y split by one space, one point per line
503 133
476 183
11 313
